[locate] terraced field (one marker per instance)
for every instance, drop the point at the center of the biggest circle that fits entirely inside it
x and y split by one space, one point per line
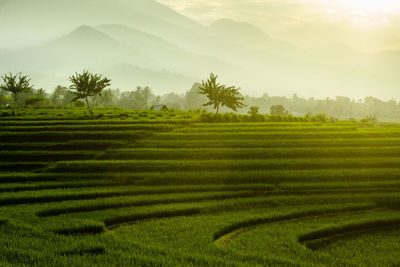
165 190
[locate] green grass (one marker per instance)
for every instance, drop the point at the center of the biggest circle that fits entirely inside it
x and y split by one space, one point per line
32 155
143 188
57 136
244 153
220 165
269 143
67 145
324 237
89 128
266 128
223 237
260 135
215 177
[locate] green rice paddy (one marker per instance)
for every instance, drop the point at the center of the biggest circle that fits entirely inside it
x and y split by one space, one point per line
161 189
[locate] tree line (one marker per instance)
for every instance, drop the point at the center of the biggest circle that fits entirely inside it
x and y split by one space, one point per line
89 87
93 90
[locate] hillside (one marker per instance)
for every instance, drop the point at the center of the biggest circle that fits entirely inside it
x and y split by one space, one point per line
44 19
167 55
251 37
148 35
146 188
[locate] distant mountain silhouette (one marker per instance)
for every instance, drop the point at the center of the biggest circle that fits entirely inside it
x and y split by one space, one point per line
84 47
85 35
245 31
128 77
131 58
45 19
144 35
166 54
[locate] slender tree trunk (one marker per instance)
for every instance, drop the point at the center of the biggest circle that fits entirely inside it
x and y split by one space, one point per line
90 110
15 99
216 113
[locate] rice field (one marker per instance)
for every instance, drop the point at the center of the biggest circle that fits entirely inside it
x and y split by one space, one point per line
162 189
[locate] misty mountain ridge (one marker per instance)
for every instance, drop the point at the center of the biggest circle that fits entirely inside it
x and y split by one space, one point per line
234 29
46 19
250 36
85 33
168 55
143 34
97 51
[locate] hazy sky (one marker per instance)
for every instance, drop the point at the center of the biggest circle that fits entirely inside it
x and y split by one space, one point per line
364 24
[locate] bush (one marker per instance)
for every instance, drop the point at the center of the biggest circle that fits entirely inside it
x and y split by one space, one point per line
253 110
79 104
235 118
321 118
278 110
36 101
370 118
257 118
318 118
206 117
226 118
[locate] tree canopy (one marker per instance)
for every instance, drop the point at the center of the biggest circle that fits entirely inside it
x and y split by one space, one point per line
88 85
278 110
16 84
254 110
220 95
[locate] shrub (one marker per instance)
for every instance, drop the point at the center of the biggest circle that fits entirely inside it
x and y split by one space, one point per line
79 104
370 118
321 118
225 118
254 110
206 117
36 101
235 118
278 110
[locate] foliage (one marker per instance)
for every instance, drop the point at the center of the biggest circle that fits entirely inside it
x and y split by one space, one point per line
58 96
254 110
254 114
370 118
36 101
221 95
172 191
278 110
79 104
5 100
319 118
86 85
16 84
235 118
40 92
142 97
341 107
139 99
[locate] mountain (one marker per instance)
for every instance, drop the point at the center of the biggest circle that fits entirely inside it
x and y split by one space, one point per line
128 77
166 54
250 36
149 60
152 41
340 55
84 47
40 20
231 29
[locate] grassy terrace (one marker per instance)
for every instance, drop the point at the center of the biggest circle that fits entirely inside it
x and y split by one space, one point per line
147 188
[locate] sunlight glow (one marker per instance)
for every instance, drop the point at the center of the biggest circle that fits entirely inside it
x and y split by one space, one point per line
361 7
362 13
372 6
